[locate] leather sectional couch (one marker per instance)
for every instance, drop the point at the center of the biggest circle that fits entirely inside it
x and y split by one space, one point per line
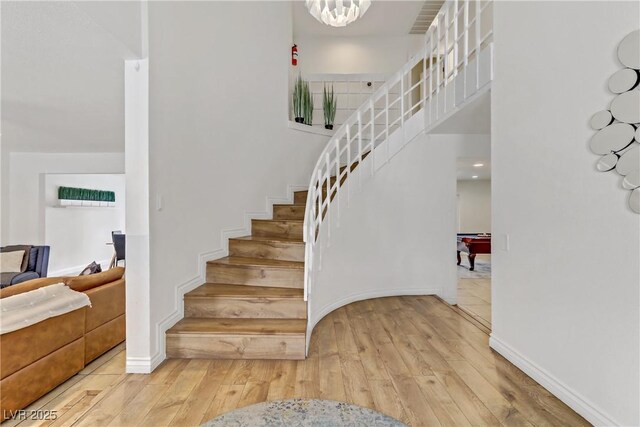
36 359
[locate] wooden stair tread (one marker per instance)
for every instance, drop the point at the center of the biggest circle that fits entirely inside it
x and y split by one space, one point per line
211 290
269 239
279 220
202 326
257 262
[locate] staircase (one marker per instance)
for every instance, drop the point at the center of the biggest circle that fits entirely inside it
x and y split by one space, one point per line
252 306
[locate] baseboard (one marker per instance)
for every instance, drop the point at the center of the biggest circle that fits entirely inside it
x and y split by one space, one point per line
147 365
143 365
74 271
573 399
315 318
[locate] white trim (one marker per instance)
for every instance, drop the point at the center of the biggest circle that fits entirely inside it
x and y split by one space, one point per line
314 319
309 129
143 365
590 411
147 365
74 271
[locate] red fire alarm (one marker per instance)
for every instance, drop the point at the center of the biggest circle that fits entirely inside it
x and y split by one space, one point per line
294 55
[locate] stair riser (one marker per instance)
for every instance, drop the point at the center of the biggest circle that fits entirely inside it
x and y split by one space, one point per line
287 229
249 308
236 347
267 250
288 212
242 275
300 197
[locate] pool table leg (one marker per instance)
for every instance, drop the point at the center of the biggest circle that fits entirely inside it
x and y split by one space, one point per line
459 259
472 261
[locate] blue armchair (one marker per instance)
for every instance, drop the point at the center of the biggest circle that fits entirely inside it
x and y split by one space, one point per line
36 267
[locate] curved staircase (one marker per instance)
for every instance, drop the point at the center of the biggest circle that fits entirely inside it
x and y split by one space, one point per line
252 306
254 303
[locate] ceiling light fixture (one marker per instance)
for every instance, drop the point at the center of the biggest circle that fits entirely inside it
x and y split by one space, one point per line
337 13
478 165
475 177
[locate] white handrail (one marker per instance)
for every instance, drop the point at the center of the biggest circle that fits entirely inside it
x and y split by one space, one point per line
442 62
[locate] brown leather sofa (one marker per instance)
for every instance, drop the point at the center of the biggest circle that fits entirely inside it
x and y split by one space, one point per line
36 359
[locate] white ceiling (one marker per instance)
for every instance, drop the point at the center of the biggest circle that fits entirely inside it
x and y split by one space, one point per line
384 18
474 122
466 170
63 76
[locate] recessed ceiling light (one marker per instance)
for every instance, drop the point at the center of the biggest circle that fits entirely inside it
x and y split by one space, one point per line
478 165
475 177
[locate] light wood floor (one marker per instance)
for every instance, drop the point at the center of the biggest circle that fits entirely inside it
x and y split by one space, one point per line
474 297
413 358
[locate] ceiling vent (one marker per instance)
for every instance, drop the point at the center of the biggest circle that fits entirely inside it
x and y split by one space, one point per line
429 10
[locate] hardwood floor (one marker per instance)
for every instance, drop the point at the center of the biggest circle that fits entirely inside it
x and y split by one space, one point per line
474 297
414 358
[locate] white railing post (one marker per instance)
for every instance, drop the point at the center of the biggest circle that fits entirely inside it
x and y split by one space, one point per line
455 39
424 75
402 100
327 179
478 41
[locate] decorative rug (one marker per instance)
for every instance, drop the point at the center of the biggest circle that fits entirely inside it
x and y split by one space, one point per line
482 268
303 413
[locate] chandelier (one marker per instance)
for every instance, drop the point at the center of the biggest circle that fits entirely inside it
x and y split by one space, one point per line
337 13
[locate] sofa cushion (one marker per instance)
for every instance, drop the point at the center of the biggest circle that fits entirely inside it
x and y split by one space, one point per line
35 380
33 259
24 346
83 283
6 278
25 260
11 262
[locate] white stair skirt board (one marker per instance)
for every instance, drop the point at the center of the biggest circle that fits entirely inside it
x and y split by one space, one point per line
574 400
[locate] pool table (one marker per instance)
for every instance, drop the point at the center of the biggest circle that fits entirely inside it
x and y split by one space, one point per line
472 244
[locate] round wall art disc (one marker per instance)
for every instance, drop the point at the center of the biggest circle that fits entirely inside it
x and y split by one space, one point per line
629 50
634 200
607 162
629 161
632 180
612 138
623 80
626 107
601 119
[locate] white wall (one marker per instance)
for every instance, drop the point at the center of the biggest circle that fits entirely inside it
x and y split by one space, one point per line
78 235
474 206
23 214
566 289
397 236
349 55
219 144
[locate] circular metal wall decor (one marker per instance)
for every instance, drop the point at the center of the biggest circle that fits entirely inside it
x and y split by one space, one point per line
617 139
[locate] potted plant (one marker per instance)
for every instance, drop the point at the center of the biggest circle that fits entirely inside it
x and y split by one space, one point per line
329 104
298 100
307 105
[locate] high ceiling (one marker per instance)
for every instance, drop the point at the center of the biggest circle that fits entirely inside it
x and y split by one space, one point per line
384 18
63 74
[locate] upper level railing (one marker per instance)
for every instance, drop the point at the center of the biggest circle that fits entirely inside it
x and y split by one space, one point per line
449 69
